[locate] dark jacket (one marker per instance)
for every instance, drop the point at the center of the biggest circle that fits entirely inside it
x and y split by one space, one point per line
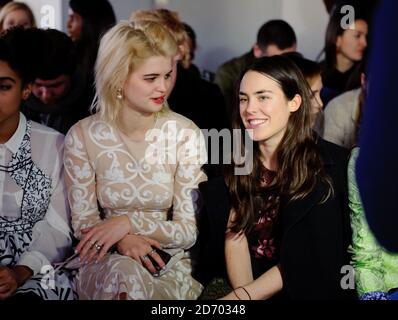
65 113
377 169
228 75
198 100
315 236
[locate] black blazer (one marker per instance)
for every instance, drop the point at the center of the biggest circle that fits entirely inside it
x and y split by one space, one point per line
315 236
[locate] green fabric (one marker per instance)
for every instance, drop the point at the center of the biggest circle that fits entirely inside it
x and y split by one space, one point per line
228 74
216 289
376 269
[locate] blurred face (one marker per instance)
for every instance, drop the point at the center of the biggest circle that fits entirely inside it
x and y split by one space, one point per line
264 107
74 25
145 90
316 101
51 91
273 50
11 95
17 18
352 43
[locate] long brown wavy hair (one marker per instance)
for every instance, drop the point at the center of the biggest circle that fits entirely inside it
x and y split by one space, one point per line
300 166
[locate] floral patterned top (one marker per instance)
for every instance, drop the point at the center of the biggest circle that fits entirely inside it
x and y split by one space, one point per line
376 269
263 237
154 181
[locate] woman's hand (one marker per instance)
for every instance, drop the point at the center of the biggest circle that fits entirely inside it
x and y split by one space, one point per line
140 248
97 240
12 278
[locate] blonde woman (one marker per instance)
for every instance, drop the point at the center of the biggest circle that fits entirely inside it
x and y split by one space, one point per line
208 97
16 14
138 163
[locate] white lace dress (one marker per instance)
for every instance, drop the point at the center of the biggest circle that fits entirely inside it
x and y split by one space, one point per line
154 182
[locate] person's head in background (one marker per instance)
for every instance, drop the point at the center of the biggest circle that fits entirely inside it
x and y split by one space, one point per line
192 41
344 46
192 48
16 14
273 38
133 69
88 20
311 71
57 65
17 72
4 2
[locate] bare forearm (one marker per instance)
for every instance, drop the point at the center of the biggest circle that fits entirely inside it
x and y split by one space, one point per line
262 288
266 285
238 260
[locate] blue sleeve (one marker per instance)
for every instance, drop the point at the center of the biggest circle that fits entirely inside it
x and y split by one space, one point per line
377 166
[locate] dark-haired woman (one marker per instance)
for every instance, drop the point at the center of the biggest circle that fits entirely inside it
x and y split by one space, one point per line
288 227
344 48
88 20
34 215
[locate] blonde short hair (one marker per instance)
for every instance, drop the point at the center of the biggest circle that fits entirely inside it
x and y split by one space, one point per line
14 6
121 50
172 22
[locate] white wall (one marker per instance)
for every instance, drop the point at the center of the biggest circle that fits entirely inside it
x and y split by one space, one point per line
228 28
224 28
122 8
48 13
309 19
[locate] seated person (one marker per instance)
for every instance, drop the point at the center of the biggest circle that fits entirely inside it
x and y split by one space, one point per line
344 49
34 215
59 99
341 116
376 269
274 37
132 174
288 230
15 13
207 108
343 113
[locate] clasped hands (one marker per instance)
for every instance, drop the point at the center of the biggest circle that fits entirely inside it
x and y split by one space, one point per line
97 241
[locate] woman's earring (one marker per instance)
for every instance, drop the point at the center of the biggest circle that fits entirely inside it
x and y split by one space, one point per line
119 94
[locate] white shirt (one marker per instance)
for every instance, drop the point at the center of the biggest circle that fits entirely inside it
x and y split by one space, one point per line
51 237
341 115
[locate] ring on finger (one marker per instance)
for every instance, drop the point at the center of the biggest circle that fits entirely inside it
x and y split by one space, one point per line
152 251
98 247
145 257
